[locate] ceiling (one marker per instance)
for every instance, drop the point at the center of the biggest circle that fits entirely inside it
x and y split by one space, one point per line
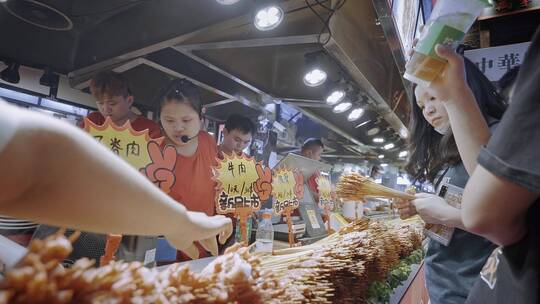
238 68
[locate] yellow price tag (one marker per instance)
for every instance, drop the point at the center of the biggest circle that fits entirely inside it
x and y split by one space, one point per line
128 144
241 183
287 189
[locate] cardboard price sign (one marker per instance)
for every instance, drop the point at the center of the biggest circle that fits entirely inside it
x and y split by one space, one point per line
241 183
128 144
325 192
242 186
288 190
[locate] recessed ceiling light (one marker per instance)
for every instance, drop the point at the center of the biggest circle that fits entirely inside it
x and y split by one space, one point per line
342 107
335 97
268 18
380 156
315 77
403 154
356 114
373 131
389 146
384 165
378 140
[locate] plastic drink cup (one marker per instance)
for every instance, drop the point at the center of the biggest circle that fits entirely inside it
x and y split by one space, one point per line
448 23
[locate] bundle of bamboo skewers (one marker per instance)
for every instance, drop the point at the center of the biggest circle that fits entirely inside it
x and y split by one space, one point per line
354 186
341 267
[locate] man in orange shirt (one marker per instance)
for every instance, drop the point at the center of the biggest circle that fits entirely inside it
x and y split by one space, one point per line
114 100
237 135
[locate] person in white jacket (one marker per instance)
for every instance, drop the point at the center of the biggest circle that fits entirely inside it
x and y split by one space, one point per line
54 173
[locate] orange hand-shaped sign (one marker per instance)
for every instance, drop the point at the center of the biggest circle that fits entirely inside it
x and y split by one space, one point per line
287 190
161 170
299 187
263 185
241 182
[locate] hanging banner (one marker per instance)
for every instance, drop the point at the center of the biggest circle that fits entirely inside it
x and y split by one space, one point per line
287 189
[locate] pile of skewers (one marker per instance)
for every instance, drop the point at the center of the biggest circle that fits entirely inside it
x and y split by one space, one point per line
337 269
232 278
341 268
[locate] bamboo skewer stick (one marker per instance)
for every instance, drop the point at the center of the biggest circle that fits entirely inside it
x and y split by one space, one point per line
356 187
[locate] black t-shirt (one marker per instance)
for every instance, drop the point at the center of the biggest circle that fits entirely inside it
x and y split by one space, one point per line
511 275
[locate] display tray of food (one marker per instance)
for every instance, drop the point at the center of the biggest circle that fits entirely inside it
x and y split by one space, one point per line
358 264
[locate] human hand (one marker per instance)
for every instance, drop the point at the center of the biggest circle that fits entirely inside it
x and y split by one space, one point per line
263 185
432 209
452 82
160 170
202 228
405 208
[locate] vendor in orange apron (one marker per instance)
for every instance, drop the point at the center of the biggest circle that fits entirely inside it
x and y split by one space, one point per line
237 136
196 151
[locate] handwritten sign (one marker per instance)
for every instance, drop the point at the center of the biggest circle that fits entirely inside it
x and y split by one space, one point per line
128 144
241 183
287 189
325 193
242 186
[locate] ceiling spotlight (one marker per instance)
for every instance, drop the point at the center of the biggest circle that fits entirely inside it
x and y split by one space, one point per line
389 146
268 18
380 156
356 114
384 165
378 140
373 131
11 73
403 154
315 77
342 107
227 2
335 97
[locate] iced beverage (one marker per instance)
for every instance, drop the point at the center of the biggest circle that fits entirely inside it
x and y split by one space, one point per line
449 22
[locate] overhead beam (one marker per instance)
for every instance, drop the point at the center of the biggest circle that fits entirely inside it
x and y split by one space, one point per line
83 74
262 42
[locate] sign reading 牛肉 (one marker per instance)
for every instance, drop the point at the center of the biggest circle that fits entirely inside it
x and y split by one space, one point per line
242 183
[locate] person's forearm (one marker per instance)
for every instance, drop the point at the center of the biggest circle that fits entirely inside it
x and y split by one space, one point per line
495 208
452 218
93 189
469 127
